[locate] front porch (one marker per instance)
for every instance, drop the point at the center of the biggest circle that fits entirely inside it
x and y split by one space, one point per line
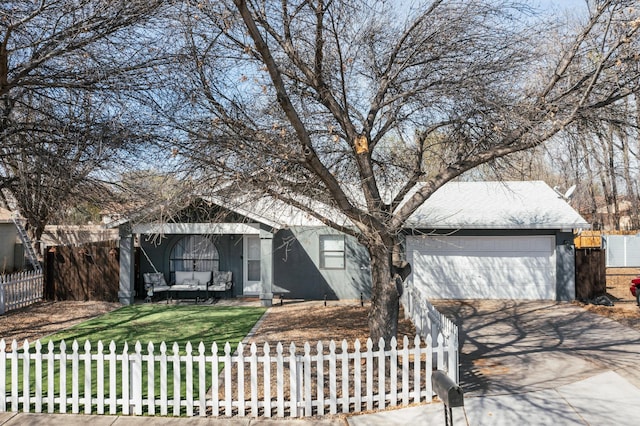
200 250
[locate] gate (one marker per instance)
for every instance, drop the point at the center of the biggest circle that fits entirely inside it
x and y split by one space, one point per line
591 273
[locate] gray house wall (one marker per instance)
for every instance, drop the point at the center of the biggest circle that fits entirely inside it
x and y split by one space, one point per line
565 267
8 235
296 262
297 266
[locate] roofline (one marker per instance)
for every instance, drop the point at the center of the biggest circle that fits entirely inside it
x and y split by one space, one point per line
219 202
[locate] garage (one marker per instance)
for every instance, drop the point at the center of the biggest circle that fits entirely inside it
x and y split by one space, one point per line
494 240
483 267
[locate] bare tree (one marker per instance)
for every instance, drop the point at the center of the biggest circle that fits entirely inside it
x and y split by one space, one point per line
62 65
310 100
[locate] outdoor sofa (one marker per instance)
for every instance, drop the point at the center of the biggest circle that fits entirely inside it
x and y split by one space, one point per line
189 282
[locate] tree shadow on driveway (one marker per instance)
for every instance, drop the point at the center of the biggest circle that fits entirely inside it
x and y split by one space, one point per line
510 347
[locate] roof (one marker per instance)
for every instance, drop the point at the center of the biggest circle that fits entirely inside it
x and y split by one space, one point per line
457 205
496 205
268 210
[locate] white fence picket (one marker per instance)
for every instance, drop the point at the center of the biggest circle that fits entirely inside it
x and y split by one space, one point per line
62 402
215 403
320 378
344 366
50 377
333 397
280 380
253 371
240 381
393 373
38 390
189 379
202 385
228 397
176 379
308 398
20 289
267 379
357 377
113 392
151 386
305 383
87 378
100 395
26 368
369 374
381 374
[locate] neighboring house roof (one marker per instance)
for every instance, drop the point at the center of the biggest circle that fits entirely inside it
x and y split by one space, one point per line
496 205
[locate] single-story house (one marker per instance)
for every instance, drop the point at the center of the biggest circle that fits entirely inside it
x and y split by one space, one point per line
497 240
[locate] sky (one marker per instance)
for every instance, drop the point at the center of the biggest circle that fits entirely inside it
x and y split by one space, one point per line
569 5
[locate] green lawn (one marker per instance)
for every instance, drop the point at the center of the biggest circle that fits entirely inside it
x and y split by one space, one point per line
147 323
164 323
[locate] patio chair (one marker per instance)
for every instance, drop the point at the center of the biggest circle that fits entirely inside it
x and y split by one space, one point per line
154 282
222 281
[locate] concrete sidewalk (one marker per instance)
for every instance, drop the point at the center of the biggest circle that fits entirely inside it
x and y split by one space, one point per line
604 399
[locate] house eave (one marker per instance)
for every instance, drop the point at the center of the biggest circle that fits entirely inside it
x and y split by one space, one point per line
197 228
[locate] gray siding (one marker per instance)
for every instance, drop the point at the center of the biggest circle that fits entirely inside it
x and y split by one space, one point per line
565 267
297 266
296 263
8 235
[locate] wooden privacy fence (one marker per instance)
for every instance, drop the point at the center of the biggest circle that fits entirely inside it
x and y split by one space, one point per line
291 382
430 322
89 271
20 289
591 273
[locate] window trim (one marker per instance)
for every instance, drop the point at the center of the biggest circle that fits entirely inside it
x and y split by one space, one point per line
322 253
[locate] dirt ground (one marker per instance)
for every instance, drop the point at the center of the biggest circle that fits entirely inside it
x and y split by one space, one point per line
296 322
312 322
293 322
40 320
625 312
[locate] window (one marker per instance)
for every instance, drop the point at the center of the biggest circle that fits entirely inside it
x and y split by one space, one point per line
253 258
332 251
194 253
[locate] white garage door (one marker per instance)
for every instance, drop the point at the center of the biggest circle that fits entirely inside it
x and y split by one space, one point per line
483 267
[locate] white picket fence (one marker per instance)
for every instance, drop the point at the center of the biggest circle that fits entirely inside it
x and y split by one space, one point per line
430 322
293 382
20 289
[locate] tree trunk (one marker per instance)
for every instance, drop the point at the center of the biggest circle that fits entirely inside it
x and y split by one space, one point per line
385 296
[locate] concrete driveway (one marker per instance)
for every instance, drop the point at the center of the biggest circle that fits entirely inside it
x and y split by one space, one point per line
552 359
